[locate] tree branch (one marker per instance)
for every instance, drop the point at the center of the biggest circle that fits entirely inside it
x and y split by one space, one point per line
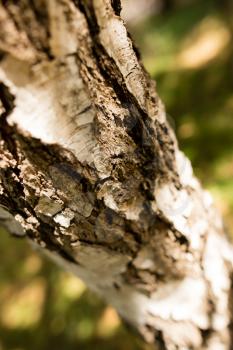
92 171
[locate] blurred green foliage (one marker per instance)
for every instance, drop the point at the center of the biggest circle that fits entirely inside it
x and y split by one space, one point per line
42 307
189 52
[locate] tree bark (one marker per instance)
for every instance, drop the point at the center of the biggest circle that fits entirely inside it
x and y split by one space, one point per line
92 173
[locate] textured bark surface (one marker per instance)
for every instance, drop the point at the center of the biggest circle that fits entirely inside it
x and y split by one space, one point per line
91 172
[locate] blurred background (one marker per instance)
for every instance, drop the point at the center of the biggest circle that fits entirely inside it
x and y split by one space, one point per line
187 46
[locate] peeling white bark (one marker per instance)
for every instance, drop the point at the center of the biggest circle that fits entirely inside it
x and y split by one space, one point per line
65 116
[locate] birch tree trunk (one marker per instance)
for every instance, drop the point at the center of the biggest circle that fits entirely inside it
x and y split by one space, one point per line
92 173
